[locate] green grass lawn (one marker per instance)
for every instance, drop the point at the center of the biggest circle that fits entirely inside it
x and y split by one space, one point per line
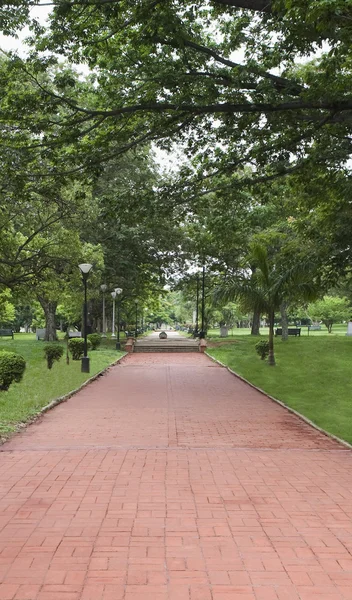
40 385
313 375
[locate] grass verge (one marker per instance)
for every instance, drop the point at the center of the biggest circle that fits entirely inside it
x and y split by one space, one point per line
312 375
40 385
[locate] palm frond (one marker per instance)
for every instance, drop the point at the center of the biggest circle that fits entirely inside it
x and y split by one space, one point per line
259 255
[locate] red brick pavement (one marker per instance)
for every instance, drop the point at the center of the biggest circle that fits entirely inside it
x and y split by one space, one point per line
168 478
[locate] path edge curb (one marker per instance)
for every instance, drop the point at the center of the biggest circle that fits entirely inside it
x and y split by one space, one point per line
21 426
288 408
69 395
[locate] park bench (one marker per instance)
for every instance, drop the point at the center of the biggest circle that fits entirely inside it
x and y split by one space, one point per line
74 334
291 331
40 334
314 327
6 333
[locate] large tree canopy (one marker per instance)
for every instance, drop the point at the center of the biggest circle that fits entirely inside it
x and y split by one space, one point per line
168 71
251 90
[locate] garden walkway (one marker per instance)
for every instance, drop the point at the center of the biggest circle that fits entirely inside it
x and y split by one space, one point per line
170 479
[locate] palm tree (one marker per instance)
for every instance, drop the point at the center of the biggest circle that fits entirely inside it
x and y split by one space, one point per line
266 287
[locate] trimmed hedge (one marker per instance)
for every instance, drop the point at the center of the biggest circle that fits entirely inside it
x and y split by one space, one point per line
12 367
95 340
53 352
76 347
262 348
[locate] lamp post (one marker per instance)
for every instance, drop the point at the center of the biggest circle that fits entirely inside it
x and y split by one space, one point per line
113 294
136 303
202 332
103 288
118 292
197 308
85 269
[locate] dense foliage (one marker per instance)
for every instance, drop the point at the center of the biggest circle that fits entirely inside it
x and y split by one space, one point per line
95 340
330 310
12 367
262 348
256 97
53 352
76 347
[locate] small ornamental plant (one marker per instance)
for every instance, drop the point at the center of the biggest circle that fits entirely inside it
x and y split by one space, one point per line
76 347
52 353
95 340
12 367
262 348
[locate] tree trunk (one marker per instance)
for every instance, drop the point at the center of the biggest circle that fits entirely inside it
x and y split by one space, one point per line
255 323
284 321
49 308
271 357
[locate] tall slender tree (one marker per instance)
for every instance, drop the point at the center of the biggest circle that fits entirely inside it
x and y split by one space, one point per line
266 288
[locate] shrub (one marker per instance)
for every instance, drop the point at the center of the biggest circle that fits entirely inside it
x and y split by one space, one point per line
95 340
76 347
262 348
53 352
12 367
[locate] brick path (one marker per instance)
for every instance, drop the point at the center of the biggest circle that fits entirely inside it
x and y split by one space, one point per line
169 479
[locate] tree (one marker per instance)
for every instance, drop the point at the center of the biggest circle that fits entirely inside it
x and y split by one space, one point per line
138 229
265 288
165 71
330 310
7 309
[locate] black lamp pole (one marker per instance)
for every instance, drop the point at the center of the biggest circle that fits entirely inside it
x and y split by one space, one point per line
136 318
103 288
202 333
118 292
118 345
197 307
85 268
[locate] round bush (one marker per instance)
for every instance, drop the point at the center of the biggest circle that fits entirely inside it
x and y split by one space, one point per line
53 352
95 340
12 367
262 348
76 347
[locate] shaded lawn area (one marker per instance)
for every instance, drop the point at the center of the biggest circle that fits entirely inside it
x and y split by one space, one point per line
313 376
40 385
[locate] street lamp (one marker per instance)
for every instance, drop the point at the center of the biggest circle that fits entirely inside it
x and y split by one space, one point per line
202 332
85 269
113 294
136 303
103 288
118 292
196 332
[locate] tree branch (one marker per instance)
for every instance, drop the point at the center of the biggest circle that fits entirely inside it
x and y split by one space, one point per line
225 107
258 5
280 82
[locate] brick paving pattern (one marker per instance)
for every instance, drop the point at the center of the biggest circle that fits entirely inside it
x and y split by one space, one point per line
169 479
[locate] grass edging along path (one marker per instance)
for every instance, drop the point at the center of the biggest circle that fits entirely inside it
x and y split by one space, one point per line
42 389
291 410
66 397
312 377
